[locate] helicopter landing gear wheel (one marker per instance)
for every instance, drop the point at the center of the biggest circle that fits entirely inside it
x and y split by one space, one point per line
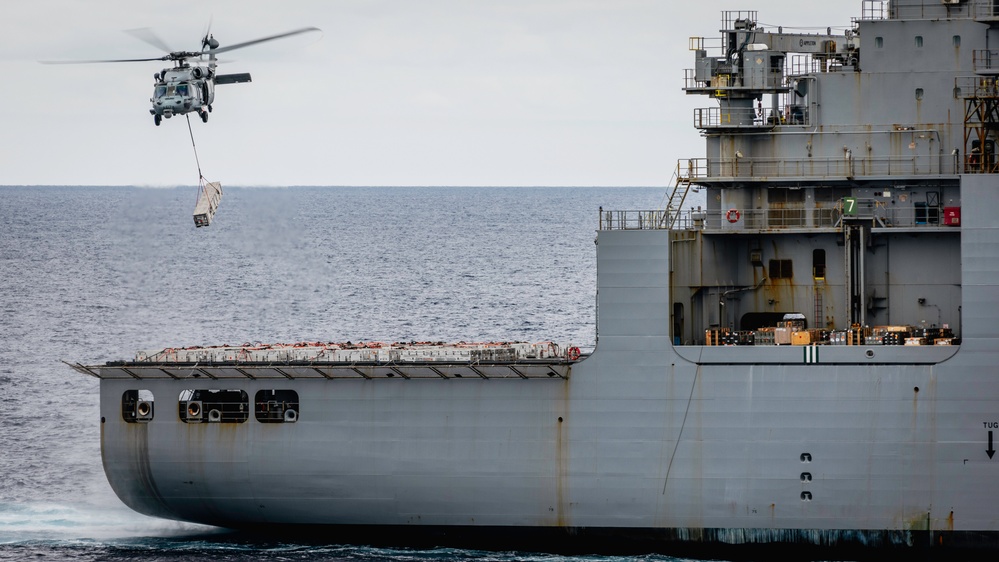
209 108
157 119
204 116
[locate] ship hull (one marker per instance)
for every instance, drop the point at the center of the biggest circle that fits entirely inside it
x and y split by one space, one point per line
636 444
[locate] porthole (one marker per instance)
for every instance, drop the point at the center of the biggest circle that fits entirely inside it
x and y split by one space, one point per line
806 496
806 477
806 457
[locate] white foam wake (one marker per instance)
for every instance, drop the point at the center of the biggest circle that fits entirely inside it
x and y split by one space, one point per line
29 522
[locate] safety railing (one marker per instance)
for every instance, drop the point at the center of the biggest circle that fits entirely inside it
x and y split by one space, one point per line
634 220
748 118
976 86
806 64
984 10
761 219
878 212
707 44
738 118
742 17
701 169
985 61
692 82
803 64
874 10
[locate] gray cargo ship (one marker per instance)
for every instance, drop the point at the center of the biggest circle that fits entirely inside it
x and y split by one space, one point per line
807 360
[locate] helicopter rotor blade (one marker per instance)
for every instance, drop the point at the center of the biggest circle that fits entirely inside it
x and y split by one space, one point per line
146 35
101 61
228 48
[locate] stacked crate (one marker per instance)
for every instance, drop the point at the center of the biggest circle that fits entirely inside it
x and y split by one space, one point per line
891 335
807 337
714 336
764 336
784 333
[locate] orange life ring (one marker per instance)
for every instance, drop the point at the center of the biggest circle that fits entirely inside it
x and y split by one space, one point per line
732 215
572 353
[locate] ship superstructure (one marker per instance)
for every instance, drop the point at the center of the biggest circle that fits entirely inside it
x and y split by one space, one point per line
808 360
832 179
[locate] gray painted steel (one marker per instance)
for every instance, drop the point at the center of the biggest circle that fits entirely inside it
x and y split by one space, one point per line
656 434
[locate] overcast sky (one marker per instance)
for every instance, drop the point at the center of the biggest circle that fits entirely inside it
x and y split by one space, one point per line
393 92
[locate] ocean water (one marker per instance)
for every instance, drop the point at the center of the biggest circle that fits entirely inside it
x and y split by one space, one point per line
92 274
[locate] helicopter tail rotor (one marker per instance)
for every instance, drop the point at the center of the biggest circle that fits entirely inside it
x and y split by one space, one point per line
208 41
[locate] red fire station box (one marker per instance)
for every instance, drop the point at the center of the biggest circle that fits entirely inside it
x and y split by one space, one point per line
952 216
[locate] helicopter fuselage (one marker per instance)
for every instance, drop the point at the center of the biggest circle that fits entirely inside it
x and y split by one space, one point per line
181 90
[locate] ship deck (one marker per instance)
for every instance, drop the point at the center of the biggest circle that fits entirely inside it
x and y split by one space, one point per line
293 370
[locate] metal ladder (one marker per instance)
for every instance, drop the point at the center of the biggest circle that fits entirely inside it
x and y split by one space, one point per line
681 187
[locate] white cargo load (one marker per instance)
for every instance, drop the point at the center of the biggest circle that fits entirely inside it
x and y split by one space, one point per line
208 203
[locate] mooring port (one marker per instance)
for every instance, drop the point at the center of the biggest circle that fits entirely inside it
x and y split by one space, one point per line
193 412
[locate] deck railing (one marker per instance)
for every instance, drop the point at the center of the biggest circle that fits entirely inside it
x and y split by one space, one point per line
984 9
977 86
634 220
986 61
879 212
873 10
848 167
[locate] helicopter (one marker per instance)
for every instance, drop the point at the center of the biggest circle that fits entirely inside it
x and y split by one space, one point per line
189 86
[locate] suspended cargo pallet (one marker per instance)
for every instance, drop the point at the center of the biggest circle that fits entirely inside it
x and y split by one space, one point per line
208 203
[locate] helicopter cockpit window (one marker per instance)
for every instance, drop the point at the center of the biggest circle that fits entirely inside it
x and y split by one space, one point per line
159 92
182 90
